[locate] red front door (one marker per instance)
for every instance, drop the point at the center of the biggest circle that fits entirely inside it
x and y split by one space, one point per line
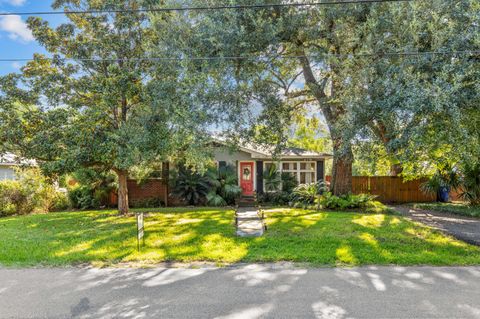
246 177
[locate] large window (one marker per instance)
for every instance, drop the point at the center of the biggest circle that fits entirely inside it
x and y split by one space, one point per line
305 172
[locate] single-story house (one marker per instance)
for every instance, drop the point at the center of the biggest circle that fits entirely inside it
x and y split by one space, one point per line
8 162
252 161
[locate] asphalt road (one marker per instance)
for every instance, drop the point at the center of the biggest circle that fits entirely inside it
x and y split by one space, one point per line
249 291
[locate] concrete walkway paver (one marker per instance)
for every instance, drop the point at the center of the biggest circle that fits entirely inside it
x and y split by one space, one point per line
464 228
249 222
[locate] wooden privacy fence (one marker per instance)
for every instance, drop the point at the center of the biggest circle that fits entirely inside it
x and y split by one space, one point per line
390 189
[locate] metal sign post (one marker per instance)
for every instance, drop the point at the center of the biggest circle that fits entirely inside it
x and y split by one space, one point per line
140 230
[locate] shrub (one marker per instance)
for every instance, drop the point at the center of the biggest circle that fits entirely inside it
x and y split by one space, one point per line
13 199
289 182
90 188
190 186
444 179
214 199
327 200
225 189
150 202
305 194
274 198
81 197
272 179
471 183
59 202
30 192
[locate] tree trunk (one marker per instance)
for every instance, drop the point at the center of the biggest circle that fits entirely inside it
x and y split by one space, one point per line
122 192
341 183
396 169
342 150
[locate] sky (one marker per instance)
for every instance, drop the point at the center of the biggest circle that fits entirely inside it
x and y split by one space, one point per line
16 41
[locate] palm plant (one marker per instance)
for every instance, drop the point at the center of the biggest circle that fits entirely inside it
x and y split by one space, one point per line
471 183
289 182
191 186
442 182
272 179
225 186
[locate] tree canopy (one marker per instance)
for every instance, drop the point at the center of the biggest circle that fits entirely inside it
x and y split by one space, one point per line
96 101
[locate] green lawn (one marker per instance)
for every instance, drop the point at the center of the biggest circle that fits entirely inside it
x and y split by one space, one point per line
454 208
188 234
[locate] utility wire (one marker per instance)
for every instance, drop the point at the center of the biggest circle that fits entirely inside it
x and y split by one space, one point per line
260 58
203 8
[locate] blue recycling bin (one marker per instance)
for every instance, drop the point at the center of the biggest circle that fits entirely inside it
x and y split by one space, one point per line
443 194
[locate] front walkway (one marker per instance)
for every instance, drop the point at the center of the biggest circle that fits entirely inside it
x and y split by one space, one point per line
248 291
460 227
249 223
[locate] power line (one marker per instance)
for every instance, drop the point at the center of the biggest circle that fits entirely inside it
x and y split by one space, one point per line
259 58
202 8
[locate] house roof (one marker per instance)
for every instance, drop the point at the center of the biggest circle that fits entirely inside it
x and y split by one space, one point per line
10 159
260 151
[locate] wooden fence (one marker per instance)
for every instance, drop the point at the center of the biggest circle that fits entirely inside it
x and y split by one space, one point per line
390 189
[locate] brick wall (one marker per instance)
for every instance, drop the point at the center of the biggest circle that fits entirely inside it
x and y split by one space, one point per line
151 189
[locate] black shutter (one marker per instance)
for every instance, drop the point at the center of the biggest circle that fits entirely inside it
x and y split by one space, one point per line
222 164
320 170
259 177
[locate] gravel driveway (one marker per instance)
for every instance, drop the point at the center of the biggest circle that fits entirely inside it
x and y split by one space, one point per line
464 228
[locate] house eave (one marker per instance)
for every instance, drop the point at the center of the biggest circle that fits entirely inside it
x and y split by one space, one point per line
294 157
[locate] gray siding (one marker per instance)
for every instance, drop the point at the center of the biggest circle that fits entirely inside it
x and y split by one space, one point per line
6 173
224 155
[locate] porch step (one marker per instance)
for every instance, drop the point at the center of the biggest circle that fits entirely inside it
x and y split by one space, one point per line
247 201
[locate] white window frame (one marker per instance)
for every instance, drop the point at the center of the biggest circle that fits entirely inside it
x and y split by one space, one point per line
296 172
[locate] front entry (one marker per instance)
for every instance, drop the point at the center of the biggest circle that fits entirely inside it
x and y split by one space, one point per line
246 177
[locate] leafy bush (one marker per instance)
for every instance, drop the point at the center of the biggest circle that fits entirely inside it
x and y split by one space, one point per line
446 178
465 178
289 182
305 194
13 199
272 179
81 197
216 187
225 189
59 202
30 192
214 199
90 188
329 201
151 202
471 183
274 198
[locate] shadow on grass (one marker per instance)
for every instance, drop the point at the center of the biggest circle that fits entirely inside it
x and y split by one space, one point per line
208 234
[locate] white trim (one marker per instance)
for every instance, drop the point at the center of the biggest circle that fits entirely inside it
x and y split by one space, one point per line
297 171
254 173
